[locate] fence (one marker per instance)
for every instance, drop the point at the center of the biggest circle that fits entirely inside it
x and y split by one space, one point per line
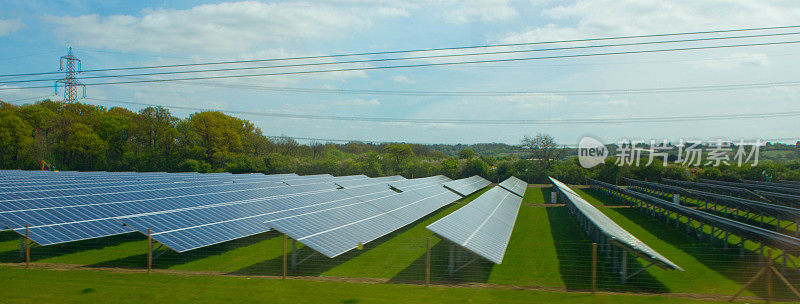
400 258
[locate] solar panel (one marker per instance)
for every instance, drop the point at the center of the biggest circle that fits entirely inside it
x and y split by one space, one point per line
609 228
484 225
467 186
770 238
336 229
121 187
768 209
515 185
83 217
194 227
758 186
369 181
69 183
410 184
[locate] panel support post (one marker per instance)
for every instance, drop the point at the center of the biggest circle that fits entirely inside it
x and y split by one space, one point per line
27 247
284 257
451 261
594 267
624 260
294 254
676 198
149 251
741 248
428 262
21 248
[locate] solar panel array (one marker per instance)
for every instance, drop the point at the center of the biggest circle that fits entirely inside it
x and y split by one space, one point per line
363 215
515 185
190 228
742 204
467 186
764 236
609 228
73 214
410 184
369 181
484 225
185 211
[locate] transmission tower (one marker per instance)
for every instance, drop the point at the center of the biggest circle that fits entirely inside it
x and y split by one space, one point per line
70 81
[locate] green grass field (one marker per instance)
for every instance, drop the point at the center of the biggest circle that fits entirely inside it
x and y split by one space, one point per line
547 249
22 286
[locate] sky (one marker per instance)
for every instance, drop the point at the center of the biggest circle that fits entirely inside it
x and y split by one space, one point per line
107 34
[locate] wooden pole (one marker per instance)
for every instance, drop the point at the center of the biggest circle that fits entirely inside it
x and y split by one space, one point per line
149 251
285 237
746 285
594 267
785 281
769 276
27 247
428 262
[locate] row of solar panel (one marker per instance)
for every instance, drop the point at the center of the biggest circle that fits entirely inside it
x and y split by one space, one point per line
761 235
467 186
608 227
192 214
484 225
329 214
75 217
767 209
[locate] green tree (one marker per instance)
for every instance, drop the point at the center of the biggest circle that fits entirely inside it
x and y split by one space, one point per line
466 154
399 153
15 139
83 149
154 138
543 148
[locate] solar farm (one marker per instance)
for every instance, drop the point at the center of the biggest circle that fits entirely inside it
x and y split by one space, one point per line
706 240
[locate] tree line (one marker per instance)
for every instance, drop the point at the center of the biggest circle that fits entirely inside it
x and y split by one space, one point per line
85 137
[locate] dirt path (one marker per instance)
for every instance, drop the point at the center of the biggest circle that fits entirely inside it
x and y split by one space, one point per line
68 267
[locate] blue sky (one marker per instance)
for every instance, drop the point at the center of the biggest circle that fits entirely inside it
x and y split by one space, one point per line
33 34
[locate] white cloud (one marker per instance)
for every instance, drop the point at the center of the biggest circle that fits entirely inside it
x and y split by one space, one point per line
530 102
736 60
403 79
222 29
630 17
360 102
619 103
10 26
480 10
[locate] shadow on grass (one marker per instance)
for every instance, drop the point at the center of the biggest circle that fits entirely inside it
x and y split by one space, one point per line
39 253
170 258
477 271
604 199
574 253
312 263
727 263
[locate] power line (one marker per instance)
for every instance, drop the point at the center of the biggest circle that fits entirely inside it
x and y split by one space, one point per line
26 99
503 93
702 88
431 64
482 121
354 140
426 50
421 57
